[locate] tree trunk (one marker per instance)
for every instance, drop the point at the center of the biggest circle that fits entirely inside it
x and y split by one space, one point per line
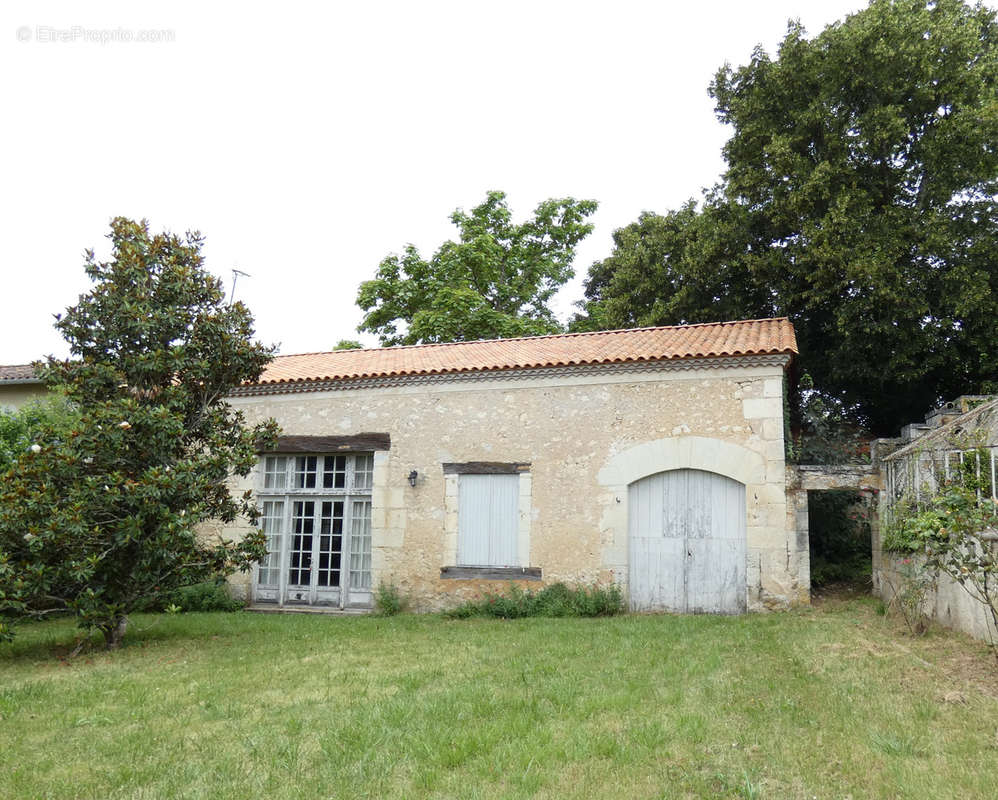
114 632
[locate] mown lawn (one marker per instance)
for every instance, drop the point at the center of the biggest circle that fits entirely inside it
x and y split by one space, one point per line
825 703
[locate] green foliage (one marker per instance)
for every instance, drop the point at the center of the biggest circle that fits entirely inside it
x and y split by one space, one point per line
103 519
348 344
388 600
21 428
857 200
682 267
972 472
899 530
556 600
206 596
953 533
962 506
823 433
839 533
910 587
495 282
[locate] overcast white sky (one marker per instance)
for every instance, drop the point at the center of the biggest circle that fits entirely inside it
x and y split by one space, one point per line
307 142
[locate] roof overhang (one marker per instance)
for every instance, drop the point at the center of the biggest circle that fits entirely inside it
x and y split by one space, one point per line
780 360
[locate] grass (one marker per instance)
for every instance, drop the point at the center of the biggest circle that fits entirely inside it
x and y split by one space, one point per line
816 703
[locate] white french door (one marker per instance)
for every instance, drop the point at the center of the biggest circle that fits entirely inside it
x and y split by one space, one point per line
318 532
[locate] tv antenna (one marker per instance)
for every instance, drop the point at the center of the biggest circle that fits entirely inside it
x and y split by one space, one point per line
235 276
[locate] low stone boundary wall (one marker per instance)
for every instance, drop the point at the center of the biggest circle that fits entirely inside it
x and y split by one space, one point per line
949 604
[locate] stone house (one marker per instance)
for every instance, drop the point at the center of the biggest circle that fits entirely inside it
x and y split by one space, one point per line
651 458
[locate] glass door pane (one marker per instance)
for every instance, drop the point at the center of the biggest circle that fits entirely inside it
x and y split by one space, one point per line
330 543
271 524
300 551
268 574
329 553
360 544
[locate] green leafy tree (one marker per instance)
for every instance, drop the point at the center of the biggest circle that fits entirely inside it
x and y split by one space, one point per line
859 200
682 267
348 344
494 282
102 517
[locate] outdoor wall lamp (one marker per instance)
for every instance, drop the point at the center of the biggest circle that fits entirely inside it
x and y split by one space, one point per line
412 478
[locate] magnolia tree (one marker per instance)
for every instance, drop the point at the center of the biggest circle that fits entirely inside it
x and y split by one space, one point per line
101 517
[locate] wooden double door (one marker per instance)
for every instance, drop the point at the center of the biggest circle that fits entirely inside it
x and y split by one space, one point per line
687 543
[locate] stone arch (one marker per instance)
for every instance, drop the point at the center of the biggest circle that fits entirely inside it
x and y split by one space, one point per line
734 461
683 452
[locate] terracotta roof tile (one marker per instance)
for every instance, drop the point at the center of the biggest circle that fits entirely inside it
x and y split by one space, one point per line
19 373
749 337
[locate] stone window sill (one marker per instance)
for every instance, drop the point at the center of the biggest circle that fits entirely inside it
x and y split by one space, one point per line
491 573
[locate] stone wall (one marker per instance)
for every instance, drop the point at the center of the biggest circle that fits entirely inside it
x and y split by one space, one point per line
585 436
949 604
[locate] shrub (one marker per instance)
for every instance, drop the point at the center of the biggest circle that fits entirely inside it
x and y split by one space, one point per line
388 600
600 601
556 600
856 571
898 534
21 428
954 530
912 587
207 596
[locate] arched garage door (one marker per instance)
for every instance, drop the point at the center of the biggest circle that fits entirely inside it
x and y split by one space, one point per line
687 543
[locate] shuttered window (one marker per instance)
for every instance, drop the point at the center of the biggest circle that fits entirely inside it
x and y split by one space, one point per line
487 520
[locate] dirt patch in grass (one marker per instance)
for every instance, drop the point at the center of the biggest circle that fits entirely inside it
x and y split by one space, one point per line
841 592
968 664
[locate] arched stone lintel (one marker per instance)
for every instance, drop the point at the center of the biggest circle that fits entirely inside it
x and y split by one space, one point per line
684 452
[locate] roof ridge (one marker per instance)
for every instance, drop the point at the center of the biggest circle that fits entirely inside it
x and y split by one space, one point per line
566 335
